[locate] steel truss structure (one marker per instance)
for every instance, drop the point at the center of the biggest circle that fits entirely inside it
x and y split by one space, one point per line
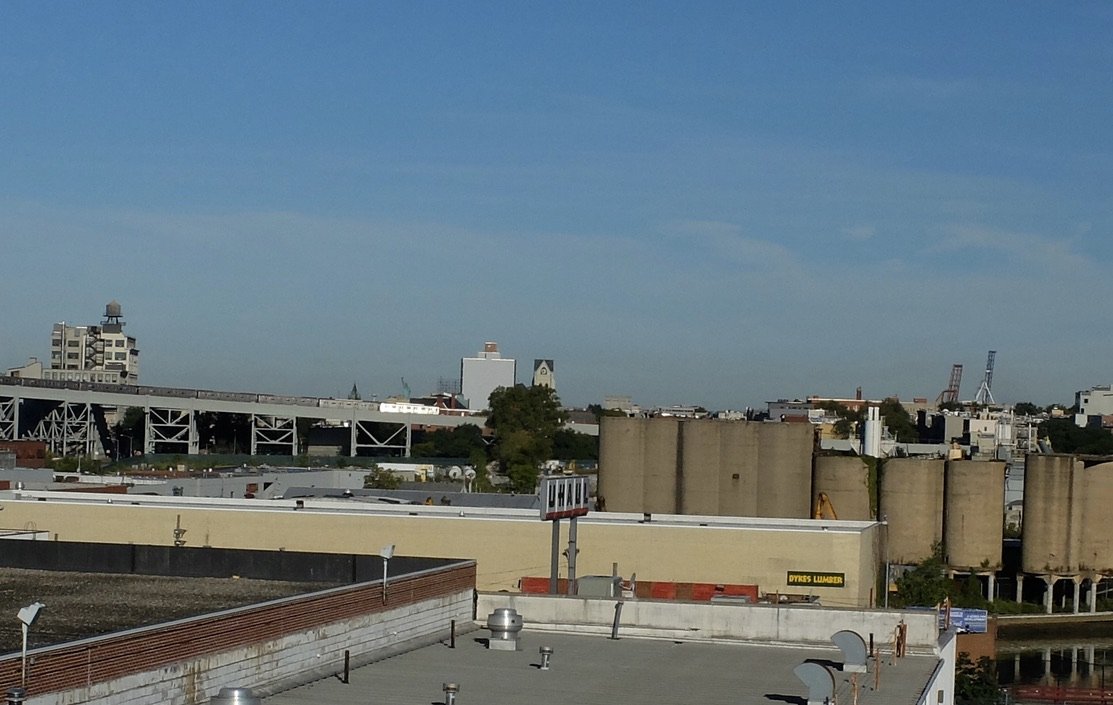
9 419
395 436
175 427
274 433
69 429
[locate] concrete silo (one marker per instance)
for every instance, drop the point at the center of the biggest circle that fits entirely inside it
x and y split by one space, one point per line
1053 494
911 502
784 483
1096 549
738 471
698 469
973 513
622 443
845 480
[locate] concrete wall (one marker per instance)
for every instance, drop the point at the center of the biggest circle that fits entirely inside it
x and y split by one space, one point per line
266 647
706 466
688 621
508 544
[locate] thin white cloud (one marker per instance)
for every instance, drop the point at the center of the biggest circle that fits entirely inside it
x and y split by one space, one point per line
1040 250
859 233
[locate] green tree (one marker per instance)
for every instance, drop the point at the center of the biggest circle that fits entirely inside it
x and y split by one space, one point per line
976 683
457 442
380 479
1066 437
925 585
129 432
525 421
1026 408
848 419
573 445
899 421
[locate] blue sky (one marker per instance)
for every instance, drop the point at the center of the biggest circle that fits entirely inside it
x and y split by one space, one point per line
707 203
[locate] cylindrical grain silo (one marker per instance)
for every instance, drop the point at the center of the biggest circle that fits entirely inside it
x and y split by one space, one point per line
973 513
698 470
1052 514
660 460
1096 552
911 502
785 470
845 479
621 461
738 471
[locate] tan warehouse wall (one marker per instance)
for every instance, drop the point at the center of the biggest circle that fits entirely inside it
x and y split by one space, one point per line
505 549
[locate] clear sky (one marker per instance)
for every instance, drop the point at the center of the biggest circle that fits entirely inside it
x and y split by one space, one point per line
685 202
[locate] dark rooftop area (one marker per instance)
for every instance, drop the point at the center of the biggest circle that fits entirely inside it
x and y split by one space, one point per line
80 605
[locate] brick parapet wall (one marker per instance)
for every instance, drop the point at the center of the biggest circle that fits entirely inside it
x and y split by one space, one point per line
283 641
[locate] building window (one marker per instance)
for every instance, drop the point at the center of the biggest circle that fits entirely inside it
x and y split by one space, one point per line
71 343
71 356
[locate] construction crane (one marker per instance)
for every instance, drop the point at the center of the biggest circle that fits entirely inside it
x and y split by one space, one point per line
985 393
950 394
823 506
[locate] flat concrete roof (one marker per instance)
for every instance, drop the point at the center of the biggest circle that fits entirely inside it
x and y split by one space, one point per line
589 670
332 506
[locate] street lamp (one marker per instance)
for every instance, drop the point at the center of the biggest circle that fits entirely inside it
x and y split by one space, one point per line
27 617
387 553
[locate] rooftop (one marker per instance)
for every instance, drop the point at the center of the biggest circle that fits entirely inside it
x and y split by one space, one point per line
590 670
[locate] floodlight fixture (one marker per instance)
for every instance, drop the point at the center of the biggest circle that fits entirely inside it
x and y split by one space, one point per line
387 553
27 616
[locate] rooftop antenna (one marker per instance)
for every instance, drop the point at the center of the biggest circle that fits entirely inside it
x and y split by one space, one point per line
985 395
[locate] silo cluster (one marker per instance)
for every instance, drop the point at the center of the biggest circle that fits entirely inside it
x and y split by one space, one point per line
706 466
957 503
1066 510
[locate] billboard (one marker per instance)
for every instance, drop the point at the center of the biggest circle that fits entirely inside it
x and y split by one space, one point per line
563 496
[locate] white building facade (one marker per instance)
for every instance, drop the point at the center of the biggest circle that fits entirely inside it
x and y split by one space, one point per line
483 374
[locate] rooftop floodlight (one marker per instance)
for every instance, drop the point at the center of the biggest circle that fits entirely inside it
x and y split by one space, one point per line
27 617
387 553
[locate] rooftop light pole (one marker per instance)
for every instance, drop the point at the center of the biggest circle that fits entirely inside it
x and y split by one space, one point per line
387 553
27 617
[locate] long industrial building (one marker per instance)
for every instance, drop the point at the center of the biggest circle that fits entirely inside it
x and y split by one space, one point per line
836 562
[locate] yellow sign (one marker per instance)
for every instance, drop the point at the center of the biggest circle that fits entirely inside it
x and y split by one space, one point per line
809 579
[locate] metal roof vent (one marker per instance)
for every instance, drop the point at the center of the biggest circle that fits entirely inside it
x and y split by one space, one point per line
546 656
505 624
235 696
450 691
820 682
853 648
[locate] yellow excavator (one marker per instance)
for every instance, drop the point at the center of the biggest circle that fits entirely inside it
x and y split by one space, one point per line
823 508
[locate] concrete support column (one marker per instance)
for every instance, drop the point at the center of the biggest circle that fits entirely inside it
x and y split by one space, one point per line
1077 592
1049 594
991 588
1020 587
1094 583
1047 677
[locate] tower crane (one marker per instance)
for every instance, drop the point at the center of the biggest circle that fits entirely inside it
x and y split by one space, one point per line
985 393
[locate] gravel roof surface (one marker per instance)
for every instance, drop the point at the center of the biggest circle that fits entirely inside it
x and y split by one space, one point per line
80 605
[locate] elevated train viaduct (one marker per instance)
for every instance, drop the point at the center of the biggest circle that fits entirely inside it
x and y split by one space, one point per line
69 417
